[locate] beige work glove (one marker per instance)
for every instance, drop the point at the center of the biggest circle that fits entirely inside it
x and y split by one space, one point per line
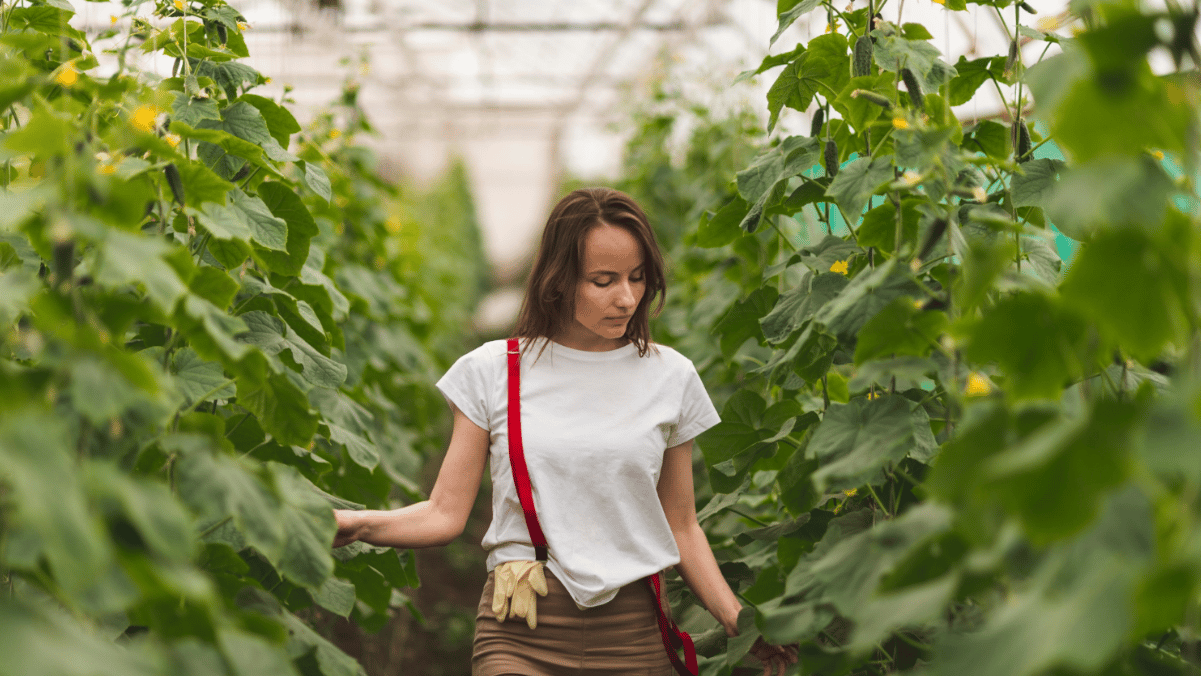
515 584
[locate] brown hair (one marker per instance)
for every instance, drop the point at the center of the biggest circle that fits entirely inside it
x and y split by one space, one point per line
549 304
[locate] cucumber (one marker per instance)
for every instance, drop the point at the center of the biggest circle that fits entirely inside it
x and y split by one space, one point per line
819 118
1023 144
176 183
831 157
914 88
863 57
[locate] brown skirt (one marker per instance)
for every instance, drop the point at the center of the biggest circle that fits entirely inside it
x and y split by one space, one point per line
619 637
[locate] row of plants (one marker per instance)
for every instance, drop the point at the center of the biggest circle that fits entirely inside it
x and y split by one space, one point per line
213 323
941 451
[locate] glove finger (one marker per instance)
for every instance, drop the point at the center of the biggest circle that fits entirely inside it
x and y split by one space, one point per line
537 580
500 605
531 619
521 601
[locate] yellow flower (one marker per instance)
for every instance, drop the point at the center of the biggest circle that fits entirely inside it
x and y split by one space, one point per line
178 5
243 26
917 304
911 178
841 267
392 225
830 27
873 395
1047 23
1157 154
107 169
173 139
335 133
979 195
977 385
143 117
900 123
268 81
112 19
941 2
850 493
67 75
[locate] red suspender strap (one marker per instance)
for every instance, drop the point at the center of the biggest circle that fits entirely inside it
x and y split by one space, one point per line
673 638
521 474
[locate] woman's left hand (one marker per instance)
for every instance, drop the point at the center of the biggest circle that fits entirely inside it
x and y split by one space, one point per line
775 658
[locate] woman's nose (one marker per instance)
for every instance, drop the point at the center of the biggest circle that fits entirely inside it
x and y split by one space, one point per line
625 295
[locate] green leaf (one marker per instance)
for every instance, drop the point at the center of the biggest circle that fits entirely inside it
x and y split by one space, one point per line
742 320
1111 191
318 182
138 259
789 17
284 203
217 486
266 229
722 228
280 407
191 111
251 654
858 111
900 328
229 75
100 392
160 519
198 380
202 184
798 304
211 331
279 119
214 285
309 528
1035 182
992 139
970 75
856 441
40 473
892 53
1038 343
857 181
770 61
331 660
879 226
362 452
222 222
271 335
1095 117
337 596
863 298
823 68
1130 286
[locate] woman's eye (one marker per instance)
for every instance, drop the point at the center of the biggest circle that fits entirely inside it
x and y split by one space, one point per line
637 279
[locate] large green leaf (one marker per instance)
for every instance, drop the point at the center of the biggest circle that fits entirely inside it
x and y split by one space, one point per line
284 203
218 488
266 229
856 182
857 440
1111 191
822 69
137 259
798 304
1131 285
271 335
901 328
280 407
199 381
38 469
309 527
1039 344
893 52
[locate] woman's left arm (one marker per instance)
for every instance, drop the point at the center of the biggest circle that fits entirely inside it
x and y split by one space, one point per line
697 564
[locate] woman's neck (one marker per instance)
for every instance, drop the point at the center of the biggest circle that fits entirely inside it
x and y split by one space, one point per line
587 341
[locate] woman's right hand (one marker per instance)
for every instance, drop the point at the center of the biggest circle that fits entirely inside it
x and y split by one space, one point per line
348 527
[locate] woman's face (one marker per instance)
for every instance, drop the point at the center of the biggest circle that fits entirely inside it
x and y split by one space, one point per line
611 286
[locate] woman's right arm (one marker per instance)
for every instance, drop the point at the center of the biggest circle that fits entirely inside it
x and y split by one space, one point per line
438 520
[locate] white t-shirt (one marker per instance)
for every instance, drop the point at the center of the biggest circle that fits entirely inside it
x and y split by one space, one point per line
594 427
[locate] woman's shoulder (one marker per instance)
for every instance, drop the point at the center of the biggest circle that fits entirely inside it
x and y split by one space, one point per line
487 353
669 356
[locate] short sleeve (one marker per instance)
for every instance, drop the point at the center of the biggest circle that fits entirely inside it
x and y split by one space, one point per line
697 413
465 385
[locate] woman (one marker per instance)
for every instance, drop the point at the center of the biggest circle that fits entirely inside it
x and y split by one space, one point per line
607 420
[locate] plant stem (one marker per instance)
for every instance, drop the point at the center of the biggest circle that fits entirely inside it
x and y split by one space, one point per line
877 499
